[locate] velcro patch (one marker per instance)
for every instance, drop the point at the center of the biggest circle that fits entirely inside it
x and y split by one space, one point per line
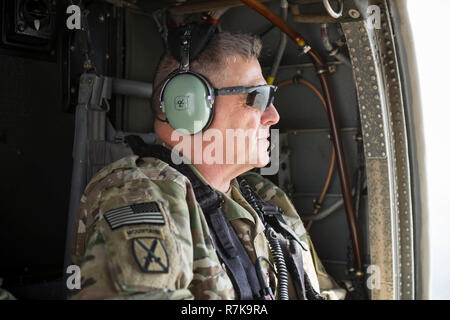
143 232
151 255
143 213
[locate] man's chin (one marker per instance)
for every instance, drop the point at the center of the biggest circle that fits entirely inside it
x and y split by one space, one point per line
263 160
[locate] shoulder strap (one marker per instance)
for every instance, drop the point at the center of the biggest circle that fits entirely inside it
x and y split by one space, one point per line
271 216
268 213
227 244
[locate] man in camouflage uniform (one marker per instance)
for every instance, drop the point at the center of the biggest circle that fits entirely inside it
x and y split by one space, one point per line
170 254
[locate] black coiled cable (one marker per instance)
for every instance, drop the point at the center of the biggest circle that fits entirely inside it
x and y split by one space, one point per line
277 253
274 244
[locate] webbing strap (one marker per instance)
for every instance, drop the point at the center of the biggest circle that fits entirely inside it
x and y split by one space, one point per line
225 240
290 244
268 213
229 248
294 263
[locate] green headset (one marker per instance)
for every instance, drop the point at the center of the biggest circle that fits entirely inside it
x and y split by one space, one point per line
187 98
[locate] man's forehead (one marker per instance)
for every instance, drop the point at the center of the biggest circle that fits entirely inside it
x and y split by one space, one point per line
243 72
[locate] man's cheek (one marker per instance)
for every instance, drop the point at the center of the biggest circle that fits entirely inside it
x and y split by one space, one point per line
258 152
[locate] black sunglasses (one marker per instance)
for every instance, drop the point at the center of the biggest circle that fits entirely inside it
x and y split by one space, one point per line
259 97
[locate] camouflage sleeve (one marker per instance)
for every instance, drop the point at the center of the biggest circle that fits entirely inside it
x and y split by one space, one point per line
5 295
320 279
133 238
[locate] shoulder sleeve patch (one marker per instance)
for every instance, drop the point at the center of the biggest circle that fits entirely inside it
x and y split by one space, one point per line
142 213
151 255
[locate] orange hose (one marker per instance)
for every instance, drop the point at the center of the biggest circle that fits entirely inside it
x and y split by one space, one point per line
334 125
333 150
325 185
276 20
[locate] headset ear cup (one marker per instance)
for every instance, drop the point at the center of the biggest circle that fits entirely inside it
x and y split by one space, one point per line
188 102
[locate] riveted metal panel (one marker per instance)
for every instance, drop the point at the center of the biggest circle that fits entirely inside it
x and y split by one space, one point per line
400 154
366 63
367 78
381 227
381 107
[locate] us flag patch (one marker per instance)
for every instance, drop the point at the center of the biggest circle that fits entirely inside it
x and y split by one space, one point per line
143 213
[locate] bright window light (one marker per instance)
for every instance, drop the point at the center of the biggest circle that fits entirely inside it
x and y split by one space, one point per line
430 30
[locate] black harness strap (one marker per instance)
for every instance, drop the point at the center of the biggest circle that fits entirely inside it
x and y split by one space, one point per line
232 253
229 248
292 247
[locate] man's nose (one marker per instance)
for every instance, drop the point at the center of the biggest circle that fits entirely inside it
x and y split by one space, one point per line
270 116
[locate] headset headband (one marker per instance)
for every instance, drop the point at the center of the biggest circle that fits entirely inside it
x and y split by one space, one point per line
199 34
184 50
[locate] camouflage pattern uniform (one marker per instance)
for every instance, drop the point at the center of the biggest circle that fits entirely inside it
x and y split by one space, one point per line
5 295
174 260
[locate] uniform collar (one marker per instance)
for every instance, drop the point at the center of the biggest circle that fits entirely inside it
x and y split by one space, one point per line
235 206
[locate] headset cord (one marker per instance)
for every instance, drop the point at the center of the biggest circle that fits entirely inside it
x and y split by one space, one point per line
274 244
277 253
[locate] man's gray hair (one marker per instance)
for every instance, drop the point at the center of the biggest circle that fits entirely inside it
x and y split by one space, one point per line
212 60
